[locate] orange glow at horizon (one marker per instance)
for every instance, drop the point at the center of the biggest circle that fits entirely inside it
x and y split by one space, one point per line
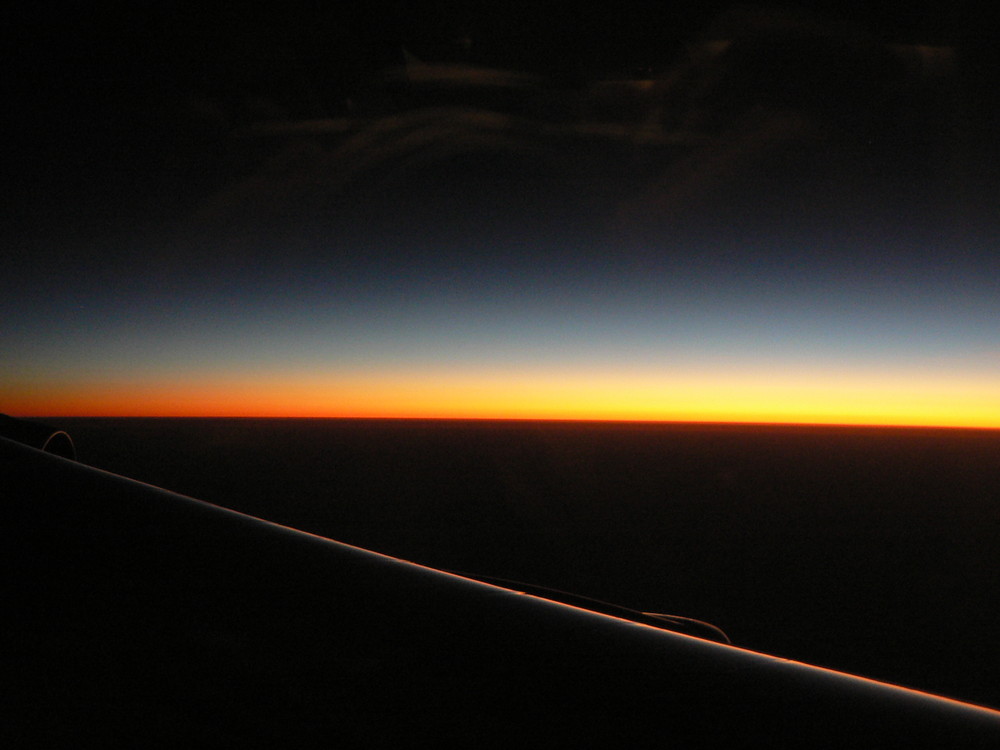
805 398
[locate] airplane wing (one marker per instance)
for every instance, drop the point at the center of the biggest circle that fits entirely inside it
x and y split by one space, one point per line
138 616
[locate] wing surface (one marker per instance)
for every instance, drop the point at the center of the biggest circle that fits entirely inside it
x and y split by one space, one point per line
141 616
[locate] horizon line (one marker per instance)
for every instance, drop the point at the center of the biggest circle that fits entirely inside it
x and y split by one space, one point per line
578 420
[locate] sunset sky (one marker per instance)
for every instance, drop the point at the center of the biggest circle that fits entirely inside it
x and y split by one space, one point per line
849 298
531 337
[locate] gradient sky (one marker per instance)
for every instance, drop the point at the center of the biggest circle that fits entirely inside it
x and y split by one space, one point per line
915 342
843 299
